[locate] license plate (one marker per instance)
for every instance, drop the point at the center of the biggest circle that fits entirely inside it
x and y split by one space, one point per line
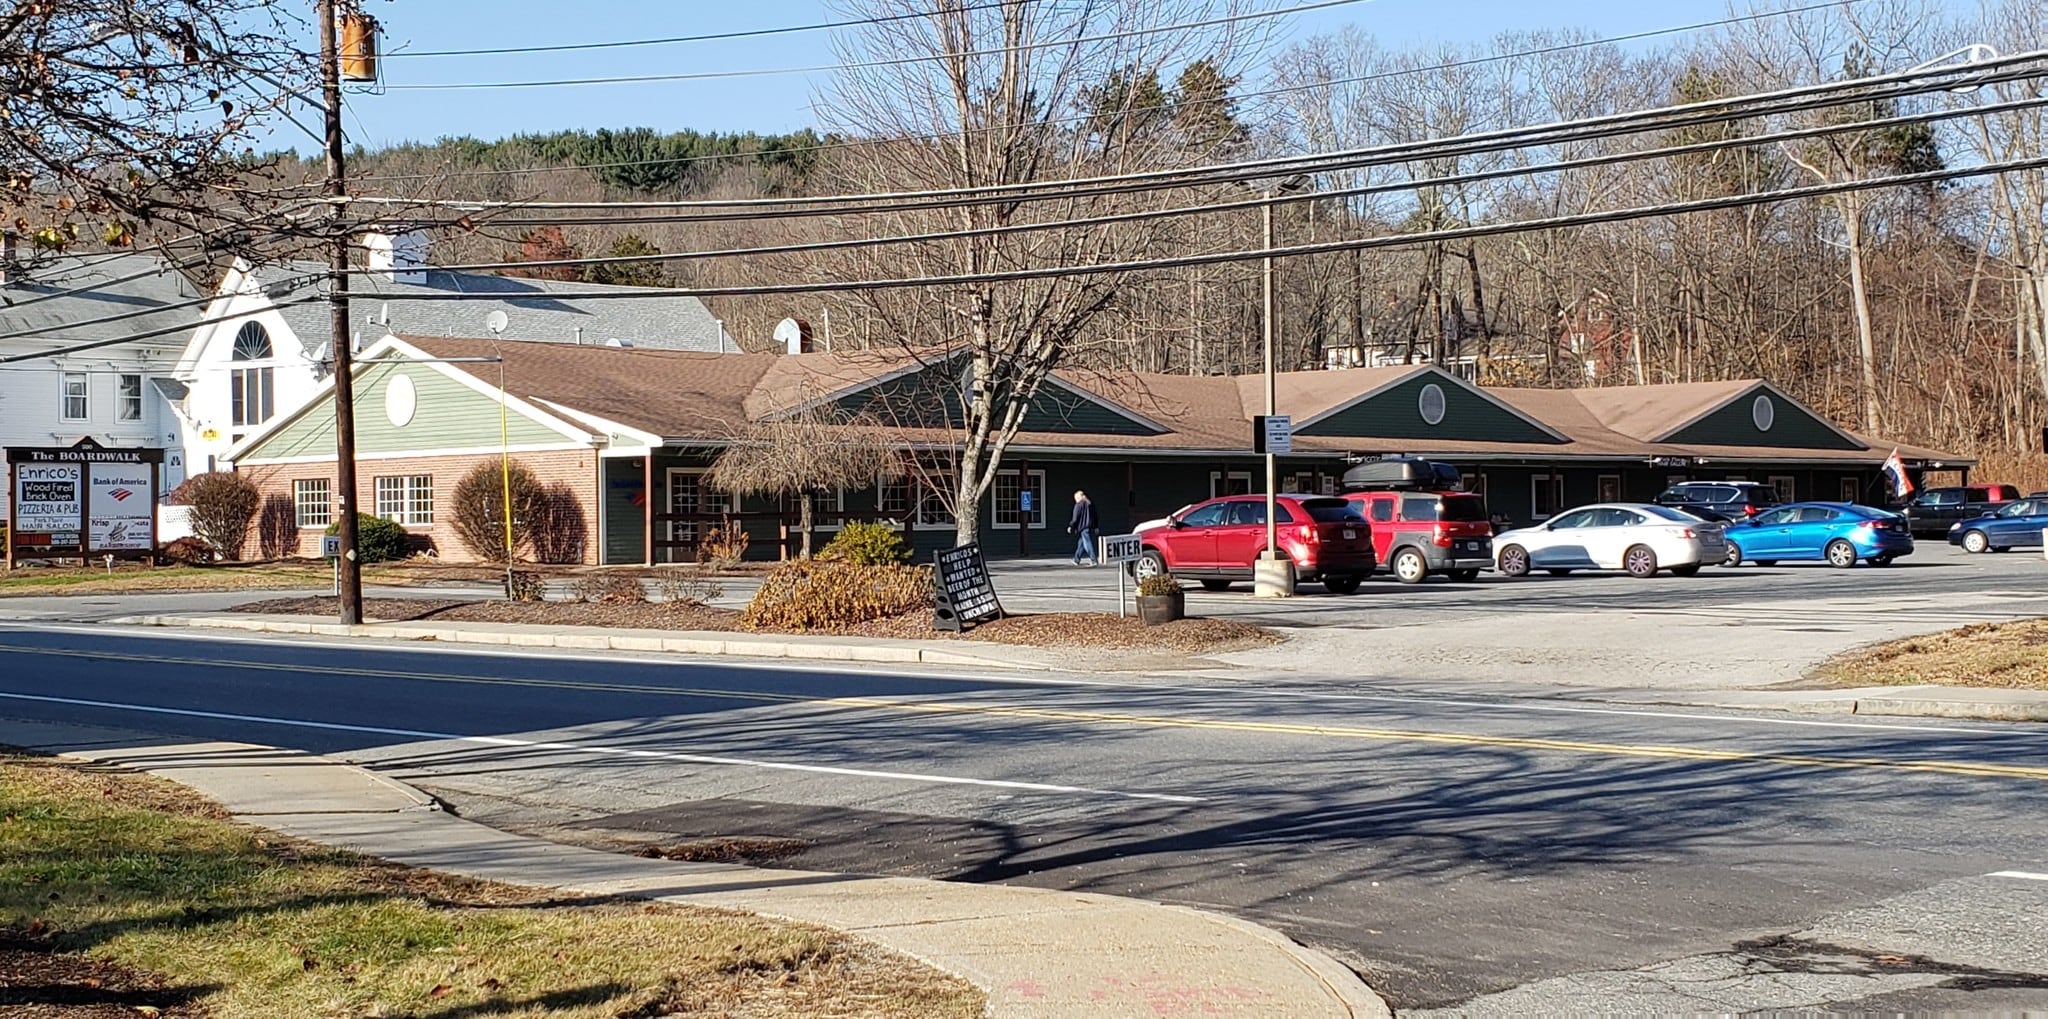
1350 534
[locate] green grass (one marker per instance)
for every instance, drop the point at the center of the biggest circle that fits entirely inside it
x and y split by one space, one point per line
139 872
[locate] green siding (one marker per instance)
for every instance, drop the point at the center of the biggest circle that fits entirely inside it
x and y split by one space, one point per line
1793 427
447 415
624 522
1061 410
1396 414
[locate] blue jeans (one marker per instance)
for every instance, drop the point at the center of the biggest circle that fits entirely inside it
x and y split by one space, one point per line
1085 548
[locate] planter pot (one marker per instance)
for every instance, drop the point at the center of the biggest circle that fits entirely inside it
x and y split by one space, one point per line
1159 609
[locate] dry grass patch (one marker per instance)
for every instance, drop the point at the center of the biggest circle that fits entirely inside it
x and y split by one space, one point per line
2008 655
1101 630
131 875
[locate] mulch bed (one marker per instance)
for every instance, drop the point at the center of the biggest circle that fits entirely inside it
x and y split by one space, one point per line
38 982
1053 629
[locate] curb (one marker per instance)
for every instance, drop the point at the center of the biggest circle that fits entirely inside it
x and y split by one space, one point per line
1345 993
685 642
1996 705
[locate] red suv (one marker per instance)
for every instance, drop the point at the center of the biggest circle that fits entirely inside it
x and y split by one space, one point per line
1216 542
1420 533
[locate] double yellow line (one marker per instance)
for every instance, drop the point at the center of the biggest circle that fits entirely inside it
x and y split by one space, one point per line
1113 718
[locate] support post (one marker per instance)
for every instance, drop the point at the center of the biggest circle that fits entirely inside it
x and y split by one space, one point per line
349 565
647 515
1273 574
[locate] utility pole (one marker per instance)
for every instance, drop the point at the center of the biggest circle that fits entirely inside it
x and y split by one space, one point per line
351 563
1272 396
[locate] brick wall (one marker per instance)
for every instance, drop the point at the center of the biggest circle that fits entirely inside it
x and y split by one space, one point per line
575 468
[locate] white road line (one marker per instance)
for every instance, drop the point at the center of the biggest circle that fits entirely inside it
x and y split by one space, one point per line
606 751
830 667
2020 874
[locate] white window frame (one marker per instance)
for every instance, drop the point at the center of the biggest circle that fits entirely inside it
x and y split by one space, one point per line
1601 487
128 406
407 499
1787 486
1852 489
83 395
708 500
1216 480
252 395
312 502
1536 500
1036 485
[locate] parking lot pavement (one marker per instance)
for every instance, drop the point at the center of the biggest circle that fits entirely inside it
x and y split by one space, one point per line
1746 627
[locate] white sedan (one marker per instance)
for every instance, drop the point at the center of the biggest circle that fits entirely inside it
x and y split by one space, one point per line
1636 537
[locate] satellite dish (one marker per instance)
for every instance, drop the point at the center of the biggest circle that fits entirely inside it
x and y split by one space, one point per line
496 322
794 335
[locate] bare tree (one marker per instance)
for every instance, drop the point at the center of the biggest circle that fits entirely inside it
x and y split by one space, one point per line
978 95
133 120
816 449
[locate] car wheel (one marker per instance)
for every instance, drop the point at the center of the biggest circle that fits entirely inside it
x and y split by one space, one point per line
1976 541
1215 585
1463 576
1346 584
1733 558
1514 561
1410 567
1149 564
1692 570
1639 561
1841 554
1559 573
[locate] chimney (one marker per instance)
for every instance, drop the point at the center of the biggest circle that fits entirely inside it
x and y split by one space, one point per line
398 257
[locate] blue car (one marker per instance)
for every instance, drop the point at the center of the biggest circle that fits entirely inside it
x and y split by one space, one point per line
2016 523
1837 533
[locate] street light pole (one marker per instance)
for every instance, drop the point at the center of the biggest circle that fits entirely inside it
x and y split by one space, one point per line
350 582
1272 396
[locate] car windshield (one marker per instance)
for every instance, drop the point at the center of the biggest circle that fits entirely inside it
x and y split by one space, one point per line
1667 513
1332 511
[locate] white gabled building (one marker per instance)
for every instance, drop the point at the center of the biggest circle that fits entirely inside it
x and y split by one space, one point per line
263 351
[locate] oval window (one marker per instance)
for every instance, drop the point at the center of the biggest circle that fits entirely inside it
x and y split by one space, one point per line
400 400
1764 413
1431 403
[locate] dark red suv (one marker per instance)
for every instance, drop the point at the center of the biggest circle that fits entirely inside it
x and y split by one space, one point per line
1216 542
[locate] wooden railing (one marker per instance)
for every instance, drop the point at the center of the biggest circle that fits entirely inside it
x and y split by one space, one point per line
789 533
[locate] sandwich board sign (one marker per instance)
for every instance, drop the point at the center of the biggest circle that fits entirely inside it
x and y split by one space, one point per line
84 501
963 595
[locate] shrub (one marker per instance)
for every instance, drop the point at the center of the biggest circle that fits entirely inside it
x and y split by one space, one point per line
480 508
818 594
559 531
1158 584
723 546
223 505
277 527
686 588
522 585
609 587
378 540
867 545
187 550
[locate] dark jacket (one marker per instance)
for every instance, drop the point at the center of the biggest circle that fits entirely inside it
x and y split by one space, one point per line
1084 518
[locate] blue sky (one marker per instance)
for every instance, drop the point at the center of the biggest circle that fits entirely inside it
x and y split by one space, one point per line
779 103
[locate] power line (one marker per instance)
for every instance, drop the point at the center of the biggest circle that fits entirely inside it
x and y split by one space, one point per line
751 33
1279 90
763 72
1561 166
1609 125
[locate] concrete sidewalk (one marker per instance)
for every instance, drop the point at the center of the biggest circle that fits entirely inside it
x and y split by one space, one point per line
1038 953
877 650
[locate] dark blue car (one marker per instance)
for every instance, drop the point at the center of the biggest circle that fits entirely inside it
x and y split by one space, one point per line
1837 533
2015 523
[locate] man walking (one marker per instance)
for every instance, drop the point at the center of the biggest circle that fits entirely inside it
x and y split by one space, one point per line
1083 524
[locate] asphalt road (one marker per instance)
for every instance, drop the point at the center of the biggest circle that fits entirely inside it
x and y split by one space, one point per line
1449 845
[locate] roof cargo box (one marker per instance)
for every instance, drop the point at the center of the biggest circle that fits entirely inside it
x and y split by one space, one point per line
1402 472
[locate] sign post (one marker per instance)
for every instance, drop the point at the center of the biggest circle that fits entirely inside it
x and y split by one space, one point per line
81 502
1118 549
330 550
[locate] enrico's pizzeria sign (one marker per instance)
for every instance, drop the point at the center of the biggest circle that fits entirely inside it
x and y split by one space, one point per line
80 501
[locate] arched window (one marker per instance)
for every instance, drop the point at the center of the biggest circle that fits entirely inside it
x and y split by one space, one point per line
252 391
252 343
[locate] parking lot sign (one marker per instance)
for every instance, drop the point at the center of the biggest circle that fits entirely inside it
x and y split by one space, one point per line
1273 433
1121 548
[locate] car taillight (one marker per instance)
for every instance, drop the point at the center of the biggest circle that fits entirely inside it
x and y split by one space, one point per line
1749 511
1687 532
1311 533
1869 525
1440 537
